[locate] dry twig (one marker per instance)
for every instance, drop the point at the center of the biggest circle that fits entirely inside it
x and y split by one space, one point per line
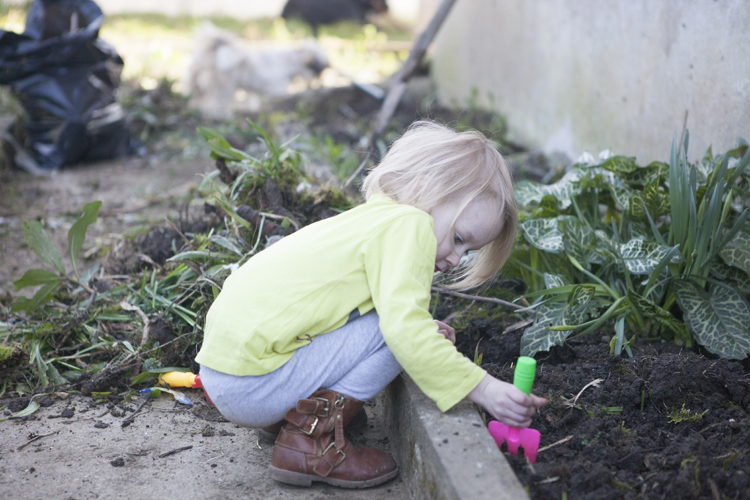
477 297
563 440
595 383
519 325
35 438
177 450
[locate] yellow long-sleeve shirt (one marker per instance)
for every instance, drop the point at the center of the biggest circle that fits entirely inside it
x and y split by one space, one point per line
379 255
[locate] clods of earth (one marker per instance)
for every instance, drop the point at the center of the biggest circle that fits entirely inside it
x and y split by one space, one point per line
668 423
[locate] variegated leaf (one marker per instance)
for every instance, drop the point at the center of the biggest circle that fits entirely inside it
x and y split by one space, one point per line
554 280
718 320
621 196
621 165
655 201
737 252
543 234
735 275
649 173
610 178
575 312
578 240
537 338
564 189
578 311
652 311
641 257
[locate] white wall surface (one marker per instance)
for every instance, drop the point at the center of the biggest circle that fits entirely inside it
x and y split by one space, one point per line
575 75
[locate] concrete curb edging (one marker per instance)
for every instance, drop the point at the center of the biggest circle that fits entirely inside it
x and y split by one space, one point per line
446 456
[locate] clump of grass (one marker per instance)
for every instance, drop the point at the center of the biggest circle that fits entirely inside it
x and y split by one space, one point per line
683 414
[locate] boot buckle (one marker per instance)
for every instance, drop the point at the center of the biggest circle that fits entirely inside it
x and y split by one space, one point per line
340 452
326 409
312 427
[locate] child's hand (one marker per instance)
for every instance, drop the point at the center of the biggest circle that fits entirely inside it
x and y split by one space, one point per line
505 402
447 331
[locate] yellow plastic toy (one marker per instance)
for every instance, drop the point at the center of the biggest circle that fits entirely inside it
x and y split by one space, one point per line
179 379
183 379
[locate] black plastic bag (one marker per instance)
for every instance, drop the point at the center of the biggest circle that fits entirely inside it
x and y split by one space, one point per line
65 78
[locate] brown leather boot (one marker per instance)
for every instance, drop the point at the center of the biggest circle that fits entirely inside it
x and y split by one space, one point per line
312 446
270 433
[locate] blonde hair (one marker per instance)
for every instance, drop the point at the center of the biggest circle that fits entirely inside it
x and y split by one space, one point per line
433 164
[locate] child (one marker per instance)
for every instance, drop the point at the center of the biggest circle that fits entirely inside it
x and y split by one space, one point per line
310 328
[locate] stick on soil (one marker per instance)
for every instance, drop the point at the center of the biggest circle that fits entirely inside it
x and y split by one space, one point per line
477 297
34 439
177 450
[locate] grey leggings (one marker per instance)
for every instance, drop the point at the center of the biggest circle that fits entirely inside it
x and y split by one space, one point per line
352 360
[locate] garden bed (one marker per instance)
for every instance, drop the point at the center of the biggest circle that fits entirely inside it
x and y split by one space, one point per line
668 423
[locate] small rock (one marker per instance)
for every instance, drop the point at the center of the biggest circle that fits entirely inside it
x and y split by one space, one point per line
65 414
101 425
45 401
118 462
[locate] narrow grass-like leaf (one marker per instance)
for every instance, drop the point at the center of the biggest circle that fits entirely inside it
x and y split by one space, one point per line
272 148
654 230
30 409
619 335
671 254
578 266
614 309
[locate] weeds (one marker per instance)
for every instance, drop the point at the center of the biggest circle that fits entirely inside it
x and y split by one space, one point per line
676 416
81 322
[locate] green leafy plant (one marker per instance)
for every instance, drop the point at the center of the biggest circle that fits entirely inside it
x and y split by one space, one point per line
39 241
656 249
108 328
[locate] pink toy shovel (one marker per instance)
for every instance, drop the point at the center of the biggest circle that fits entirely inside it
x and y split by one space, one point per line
523 378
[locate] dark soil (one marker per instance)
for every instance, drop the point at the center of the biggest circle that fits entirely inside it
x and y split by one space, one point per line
668 423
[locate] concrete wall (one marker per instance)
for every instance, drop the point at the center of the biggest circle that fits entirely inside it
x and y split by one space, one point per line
575 75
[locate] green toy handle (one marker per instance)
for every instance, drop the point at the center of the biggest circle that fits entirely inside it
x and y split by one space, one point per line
523 378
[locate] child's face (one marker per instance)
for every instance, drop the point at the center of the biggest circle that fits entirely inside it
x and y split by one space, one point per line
475 227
